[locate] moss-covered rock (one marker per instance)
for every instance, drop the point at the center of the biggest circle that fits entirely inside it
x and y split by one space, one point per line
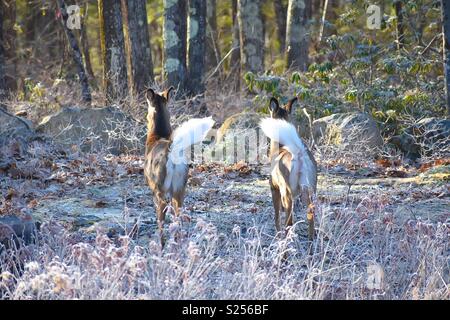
239 122
351 130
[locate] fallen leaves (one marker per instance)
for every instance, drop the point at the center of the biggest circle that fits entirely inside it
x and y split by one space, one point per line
241 168
439 162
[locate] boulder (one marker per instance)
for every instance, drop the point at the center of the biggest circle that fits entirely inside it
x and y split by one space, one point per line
95 129
302 122
239 122
352 131
14 128
237 139
15 135
429 135
17 228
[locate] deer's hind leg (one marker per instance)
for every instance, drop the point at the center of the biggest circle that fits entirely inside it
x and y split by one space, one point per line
177 201
288 207
307 196
276 200
161 206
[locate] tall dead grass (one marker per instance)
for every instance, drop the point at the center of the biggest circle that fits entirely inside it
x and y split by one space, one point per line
361 252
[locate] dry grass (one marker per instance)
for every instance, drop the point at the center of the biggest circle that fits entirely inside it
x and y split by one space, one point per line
354 243
357 243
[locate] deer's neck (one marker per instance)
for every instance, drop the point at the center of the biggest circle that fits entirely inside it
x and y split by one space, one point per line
158 127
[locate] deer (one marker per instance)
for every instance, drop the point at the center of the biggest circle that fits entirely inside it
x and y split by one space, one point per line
293 167
166 164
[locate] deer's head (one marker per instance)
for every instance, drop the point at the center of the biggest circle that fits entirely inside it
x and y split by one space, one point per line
281 112
158 116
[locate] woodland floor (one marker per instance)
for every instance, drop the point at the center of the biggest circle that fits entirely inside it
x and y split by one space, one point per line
109 195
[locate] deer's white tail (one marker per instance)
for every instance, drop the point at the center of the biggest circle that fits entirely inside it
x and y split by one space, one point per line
283 132
187 134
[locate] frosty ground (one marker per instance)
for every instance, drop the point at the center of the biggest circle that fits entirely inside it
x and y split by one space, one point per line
98 239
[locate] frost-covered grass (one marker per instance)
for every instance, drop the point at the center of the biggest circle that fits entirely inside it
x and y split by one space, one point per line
360 252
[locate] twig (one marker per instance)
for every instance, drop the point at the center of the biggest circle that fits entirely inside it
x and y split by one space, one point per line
322 24
430 43
220 63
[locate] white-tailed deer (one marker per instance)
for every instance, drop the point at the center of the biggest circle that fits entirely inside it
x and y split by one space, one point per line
293 168
166 160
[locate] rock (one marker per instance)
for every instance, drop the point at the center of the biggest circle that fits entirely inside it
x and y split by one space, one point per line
15 135
237 139
301 121
95 129
14 128
239 122
353 131
429 135
14 227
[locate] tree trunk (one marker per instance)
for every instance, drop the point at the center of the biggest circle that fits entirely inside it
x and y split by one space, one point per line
212 49
85 43
445 9
137 40
174 35
316 7
399 25
251 31
40 29
297 35
3 89
235 62
113 50
328 14
280 16
9 44
196 46
236 54
76 53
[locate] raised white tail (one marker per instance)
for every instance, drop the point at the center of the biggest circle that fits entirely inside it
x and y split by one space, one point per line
189 133
283 132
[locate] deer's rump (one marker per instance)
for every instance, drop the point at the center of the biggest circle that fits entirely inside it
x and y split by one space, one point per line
162 174
293 174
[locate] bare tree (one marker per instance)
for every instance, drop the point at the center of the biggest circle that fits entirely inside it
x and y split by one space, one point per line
251 31
137 41
235 61
2 62
212 48
297 37
196 46
113 50
9 45
399 26
280 16
445 9
41 28
84 43
174 34
76 54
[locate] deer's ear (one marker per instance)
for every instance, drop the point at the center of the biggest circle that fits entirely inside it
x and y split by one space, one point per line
150 94
166 93
289 105
273 105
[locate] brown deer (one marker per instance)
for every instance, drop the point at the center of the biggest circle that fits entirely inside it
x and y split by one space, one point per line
293 168
166 157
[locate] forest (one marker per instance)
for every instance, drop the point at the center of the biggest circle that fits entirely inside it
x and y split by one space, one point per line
224 149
